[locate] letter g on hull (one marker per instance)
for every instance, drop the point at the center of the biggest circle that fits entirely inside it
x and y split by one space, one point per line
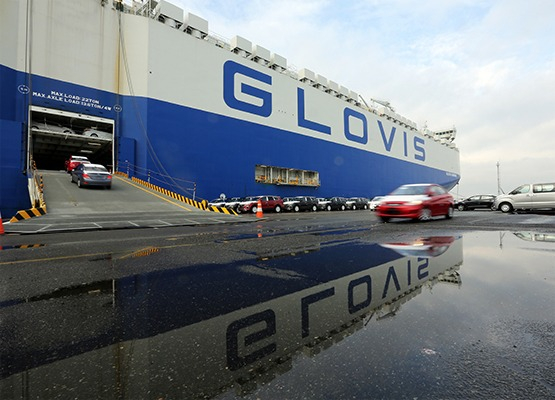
262 99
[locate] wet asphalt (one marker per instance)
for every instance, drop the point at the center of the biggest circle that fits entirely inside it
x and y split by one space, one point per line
292 306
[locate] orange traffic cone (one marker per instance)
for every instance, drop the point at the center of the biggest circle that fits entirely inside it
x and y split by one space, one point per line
1 225
259 213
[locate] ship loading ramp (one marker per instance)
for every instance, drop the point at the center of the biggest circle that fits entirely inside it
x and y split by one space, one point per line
128 205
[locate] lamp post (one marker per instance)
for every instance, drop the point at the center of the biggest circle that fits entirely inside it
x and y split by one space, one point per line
498 180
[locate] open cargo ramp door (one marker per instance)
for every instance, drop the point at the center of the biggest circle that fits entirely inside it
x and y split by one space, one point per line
55 135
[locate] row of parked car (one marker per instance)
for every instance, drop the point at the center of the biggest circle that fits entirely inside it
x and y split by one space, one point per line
294 204
417 201
530 196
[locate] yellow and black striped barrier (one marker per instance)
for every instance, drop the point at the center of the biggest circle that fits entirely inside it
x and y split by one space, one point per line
23 246
39 205
121 174
223 210
142 253
29 213
203 205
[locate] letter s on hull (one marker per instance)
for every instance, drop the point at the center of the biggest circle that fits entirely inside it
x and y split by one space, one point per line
420 150
231 70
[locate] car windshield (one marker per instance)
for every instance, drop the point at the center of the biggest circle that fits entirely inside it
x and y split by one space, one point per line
521 189
410 190
96 169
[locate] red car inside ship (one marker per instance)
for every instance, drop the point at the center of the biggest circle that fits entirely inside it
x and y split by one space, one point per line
74 161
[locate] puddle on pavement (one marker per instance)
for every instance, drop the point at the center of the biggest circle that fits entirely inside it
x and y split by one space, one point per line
432 317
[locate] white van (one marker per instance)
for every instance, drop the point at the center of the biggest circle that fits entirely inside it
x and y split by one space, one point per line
531 196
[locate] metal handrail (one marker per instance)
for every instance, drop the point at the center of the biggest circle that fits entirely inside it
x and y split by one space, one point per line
171 183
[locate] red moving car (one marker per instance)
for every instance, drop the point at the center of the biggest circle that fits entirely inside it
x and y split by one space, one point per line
417 201
74 161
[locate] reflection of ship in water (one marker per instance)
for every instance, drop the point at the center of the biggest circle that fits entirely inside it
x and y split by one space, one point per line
431 246
422 247
207 330
538 238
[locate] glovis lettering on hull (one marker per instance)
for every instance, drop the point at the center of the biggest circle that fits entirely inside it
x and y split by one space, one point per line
240 94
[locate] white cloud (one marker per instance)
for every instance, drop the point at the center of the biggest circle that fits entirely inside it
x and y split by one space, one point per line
485 66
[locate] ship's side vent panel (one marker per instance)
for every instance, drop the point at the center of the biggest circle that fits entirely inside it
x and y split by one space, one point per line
261 55
321 83
426 132
343 93
278 62
240 45
353 98
307 76
410 124
168 14
333 88
195 26
385 112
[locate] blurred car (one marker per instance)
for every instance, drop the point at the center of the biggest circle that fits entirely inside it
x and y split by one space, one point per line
217 203
417 201
91 175
289 203
375 202
324 204
95 133
74 161
269 203
301 203
424 247
234 202
477 201
357 203
57 128
338 203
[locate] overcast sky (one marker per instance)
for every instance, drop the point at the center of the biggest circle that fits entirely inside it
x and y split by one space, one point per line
484 66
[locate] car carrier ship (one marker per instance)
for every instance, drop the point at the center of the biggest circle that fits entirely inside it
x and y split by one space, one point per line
176 105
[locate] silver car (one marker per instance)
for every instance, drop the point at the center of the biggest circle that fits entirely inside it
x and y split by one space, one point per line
530 196
56 128
217 203
91 175
95 133
375 202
